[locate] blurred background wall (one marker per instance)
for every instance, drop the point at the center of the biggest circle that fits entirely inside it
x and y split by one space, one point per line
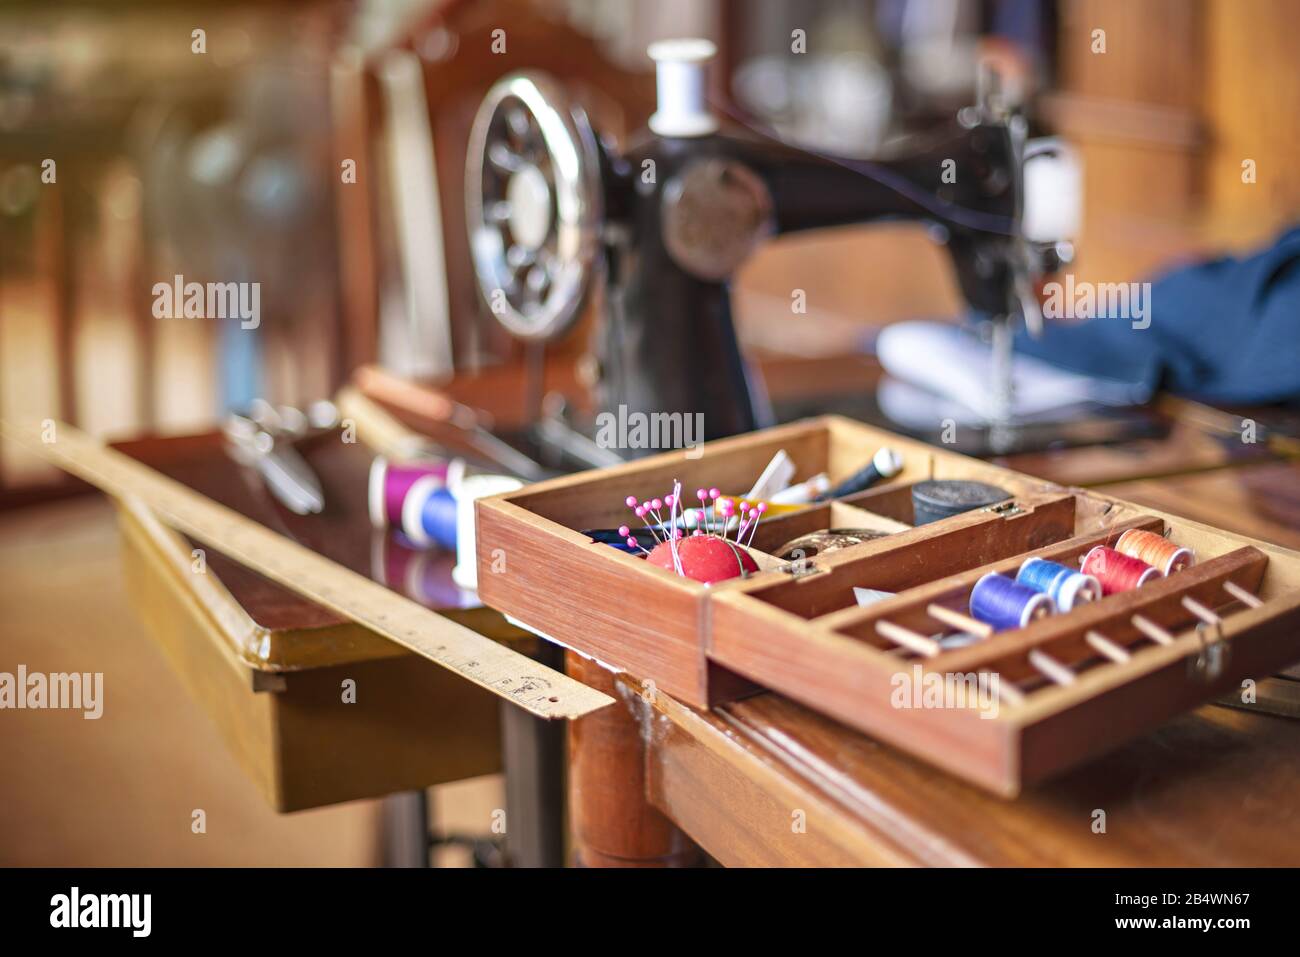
225 165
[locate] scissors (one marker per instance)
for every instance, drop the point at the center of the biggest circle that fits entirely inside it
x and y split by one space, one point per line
263 440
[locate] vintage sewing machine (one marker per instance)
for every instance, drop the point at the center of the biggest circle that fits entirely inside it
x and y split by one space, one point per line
551 207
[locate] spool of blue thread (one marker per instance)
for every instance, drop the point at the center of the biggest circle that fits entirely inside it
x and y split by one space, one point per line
1067 586
998 601
429 514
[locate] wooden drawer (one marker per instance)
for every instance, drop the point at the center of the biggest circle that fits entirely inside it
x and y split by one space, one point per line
277 700
1062 689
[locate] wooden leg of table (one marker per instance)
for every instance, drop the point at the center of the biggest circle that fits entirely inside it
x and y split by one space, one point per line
611 822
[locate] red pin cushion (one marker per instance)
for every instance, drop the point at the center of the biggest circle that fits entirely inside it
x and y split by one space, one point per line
705 558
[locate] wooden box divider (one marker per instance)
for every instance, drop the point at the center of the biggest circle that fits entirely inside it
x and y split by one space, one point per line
916 555
772 533
909 608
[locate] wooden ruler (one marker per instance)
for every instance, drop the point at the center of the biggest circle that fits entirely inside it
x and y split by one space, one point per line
506 673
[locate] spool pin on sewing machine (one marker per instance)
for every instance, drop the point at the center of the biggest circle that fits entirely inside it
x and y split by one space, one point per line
669 222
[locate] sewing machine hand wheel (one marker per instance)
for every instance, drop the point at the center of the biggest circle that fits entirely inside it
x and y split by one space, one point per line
534 205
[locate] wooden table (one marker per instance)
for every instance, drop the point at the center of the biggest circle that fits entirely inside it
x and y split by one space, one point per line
268 665
765 781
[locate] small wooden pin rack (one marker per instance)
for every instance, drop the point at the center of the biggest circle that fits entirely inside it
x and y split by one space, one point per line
1051 694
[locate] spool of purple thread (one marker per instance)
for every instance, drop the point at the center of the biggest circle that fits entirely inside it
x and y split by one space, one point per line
391 482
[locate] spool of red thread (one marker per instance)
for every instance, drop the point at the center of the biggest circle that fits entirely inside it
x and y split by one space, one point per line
1155 550
1116 571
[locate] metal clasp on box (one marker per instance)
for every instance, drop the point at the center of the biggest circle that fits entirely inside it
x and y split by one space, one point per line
1209 662
1005 509
799 568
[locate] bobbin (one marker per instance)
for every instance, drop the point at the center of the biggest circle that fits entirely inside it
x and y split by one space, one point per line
1138 543
1068 588
1036 604
1104 555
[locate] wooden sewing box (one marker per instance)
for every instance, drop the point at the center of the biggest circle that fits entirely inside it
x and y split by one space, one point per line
1069 687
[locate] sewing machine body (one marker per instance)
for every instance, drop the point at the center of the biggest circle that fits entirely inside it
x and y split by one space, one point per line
668 222
689 211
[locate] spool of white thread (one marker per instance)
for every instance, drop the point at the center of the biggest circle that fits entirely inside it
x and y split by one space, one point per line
680 79
472 488
1053 208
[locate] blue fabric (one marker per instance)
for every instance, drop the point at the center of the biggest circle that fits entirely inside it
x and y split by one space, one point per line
1225 331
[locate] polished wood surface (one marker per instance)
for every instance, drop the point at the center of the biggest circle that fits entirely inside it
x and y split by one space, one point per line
1262 501
289 631
1185 448
1164 119
202 462
744 779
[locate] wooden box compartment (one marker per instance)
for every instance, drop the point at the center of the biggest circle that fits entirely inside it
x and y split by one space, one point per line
1052 694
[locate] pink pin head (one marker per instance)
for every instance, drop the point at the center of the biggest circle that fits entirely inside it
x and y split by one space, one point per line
744 507
702 494
630 501
669 499
640 511
714 493
726 506
657 504
761 507
632 542
624 531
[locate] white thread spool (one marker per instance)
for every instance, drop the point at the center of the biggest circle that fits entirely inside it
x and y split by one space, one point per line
472 488
1053 208
680 79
